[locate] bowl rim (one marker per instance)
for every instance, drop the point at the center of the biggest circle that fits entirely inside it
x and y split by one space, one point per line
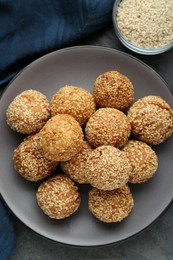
132 46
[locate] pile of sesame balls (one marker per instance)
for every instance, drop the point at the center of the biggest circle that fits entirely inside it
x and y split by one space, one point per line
104 139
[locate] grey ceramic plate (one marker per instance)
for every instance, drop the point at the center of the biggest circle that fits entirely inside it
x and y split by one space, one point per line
80 66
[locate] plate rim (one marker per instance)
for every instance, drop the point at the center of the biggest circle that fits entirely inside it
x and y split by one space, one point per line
98 47
87 47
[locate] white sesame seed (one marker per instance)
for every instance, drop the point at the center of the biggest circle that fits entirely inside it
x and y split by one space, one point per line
148 24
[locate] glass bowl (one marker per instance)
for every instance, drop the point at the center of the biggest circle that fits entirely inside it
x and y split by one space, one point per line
130 45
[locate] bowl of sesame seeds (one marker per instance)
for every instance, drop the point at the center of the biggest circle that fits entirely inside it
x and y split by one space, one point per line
145 27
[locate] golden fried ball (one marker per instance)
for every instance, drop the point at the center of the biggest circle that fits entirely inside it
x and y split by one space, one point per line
111 206
108 168
61 138
58 197
29 161
113 89
74 101
143 160
151 119
76 168
28 112
108 126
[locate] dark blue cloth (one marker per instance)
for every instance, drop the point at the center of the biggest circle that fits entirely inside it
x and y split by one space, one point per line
30 29
7 234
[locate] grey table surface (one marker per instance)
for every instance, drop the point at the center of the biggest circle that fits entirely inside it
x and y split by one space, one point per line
156 242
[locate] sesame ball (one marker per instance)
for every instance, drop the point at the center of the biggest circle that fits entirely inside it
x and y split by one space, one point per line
58 197
108 168
143 160
113 89
28 112
61 138
29 161
151 119
111 206
108 126
74 101
76 168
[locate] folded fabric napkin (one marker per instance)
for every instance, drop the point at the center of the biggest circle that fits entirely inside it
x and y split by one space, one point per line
30 29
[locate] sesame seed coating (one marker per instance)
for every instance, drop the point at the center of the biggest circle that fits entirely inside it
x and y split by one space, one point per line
61 138
28 112
113 89
111 206
58 197
29 161
76 168
74 101
151 119
108 168
108 126
143 160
